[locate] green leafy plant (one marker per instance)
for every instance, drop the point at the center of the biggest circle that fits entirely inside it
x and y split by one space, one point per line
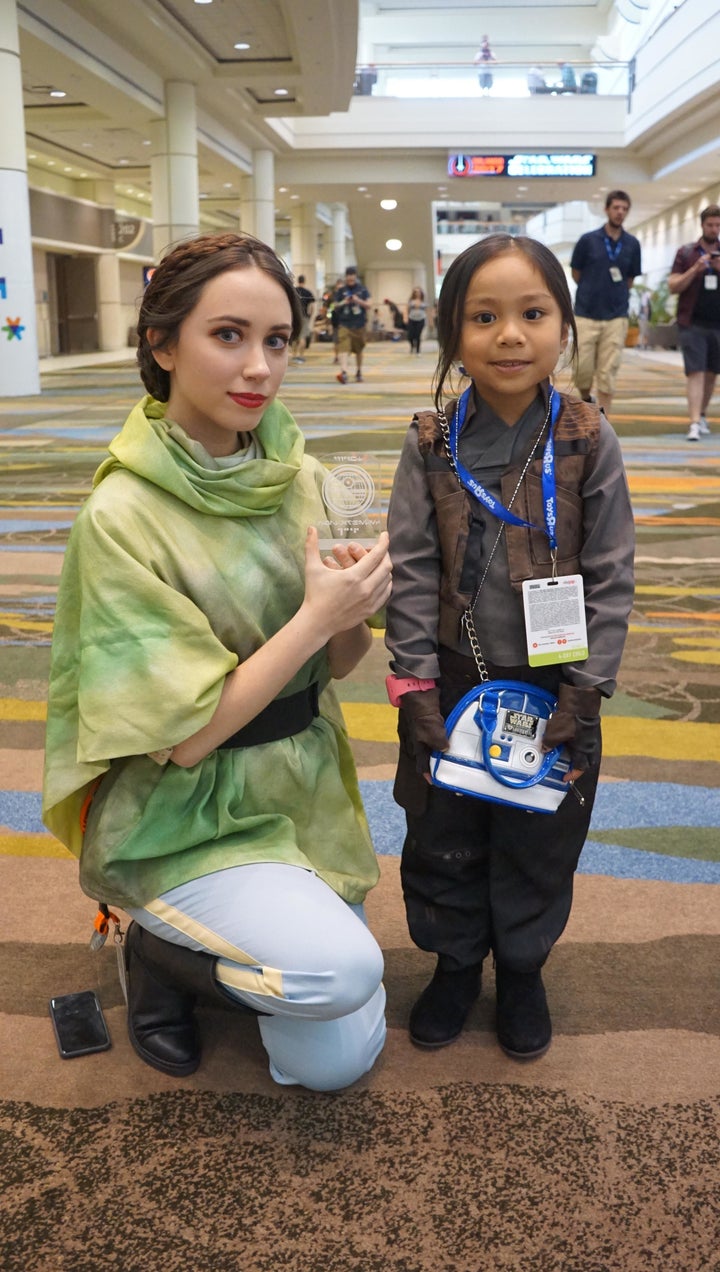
662 304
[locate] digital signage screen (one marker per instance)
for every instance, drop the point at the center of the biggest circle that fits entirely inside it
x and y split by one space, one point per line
569 165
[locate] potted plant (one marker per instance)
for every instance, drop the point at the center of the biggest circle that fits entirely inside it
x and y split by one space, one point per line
634 309
663 332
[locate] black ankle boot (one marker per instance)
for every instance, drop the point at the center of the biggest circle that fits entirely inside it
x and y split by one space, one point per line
163 981
440 1012
524 1028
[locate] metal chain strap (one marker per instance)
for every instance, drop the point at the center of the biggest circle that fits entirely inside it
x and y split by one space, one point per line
467 621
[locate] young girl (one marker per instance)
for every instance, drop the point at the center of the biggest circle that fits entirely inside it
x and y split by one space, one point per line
416 309
197 633
479 876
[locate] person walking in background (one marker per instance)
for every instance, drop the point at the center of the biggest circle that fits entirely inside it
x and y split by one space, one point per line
307 301
604 264
196 758
483 58
536 81
479 876
330 314
351 303
416 312
695 280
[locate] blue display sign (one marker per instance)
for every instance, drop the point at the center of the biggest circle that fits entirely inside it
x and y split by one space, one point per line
566 165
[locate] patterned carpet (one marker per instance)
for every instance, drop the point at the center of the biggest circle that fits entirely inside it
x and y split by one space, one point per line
602 1156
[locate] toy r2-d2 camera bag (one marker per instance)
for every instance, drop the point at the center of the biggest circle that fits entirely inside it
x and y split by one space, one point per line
495 752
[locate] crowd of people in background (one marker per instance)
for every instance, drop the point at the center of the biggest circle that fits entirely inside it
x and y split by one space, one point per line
604 264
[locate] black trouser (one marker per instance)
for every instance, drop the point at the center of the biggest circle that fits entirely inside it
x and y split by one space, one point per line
414 332
479 876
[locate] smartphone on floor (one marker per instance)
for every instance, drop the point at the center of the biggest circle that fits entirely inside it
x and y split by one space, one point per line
79 1024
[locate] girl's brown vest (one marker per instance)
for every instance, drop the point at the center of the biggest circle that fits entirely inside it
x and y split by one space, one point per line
576 437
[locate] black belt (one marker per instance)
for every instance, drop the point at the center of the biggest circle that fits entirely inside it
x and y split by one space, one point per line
279 719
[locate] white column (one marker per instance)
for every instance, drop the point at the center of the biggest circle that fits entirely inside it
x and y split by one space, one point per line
337 242
247 205
174 168
19 375
303 244
107 281
264 191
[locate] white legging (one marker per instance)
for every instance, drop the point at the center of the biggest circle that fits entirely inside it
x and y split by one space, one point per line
289 946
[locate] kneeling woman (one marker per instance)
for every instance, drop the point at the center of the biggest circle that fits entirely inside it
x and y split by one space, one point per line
191 707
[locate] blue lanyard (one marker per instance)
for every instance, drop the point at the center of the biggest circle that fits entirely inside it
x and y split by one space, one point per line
613 250
489 500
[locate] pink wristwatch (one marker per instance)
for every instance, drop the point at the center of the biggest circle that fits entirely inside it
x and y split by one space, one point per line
396 686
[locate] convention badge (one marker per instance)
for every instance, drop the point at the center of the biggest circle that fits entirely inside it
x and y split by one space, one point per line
555 620
711 282
355 505
615 274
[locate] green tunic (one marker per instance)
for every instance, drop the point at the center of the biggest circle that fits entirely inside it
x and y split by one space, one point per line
179 567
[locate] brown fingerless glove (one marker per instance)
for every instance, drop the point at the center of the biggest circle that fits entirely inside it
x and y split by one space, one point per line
576 724
425 725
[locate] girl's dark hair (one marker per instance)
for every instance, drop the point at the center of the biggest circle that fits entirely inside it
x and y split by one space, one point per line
451 303
176 285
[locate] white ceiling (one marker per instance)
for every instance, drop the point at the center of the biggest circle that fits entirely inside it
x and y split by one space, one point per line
111 59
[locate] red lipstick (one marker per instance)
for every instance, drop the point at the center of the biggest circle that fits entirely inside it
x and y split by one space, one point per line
251 400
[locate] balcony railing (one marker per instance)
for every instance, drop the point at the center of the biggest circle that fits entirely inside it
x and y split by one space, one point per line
492 79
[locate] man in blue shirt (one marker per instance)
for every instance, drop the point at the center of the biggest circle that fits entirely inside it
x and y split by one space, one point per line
604 264
351 303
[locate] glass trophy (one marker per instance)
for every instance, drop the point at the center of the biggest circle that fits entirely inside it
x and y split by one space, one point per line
352 492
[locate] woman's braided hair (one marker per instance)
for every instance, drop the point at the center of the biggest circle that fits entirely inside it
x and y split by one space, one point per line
177 282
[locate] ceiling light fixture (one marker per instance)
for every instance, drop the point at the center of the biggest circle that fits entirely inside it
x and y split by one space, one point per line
388 205
241 46
394 245
281 92
57 92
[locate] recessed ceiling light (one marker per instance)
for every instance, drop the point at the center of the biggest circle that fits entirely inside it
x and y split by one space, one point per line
51 163
241 46
227 185
32 156
294 196
388 204
123 162
67 169
281 92
394 245
57 92
147 142
362 189
282 189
